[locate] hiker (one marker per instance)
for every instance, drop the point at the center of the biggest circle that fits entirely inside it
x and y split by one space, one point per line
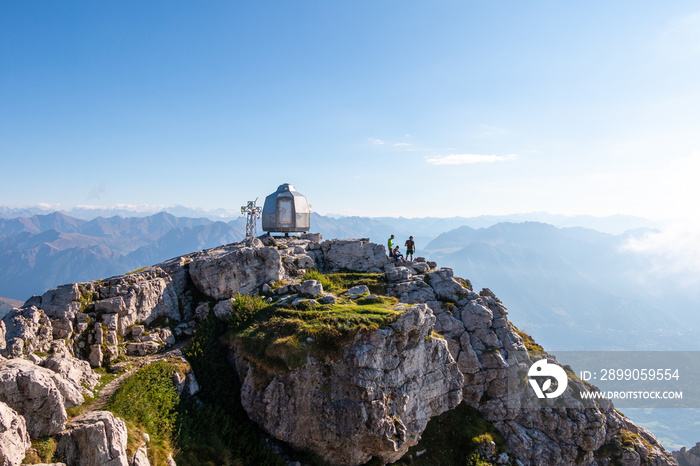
397 255
410 248
391 245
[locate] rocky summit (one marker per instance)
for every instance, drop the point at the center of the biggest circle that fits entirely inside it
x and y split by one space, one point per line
351 370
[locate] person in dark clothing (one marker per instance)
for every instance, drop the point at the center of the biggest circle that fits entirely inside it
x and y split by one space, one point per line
397 255
410 248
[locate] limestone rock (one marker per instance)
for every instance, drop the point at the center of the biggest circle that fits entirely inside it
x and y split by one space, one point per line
445 286
94 438
166 336
352 254
327 299
135 297
202 311
311 288
357 291
62 301
223 272
398 273
38 394
688 457
96 355
377 398
141 457
411 291
75 370
186 384
223 309
142 349
14 439
27 330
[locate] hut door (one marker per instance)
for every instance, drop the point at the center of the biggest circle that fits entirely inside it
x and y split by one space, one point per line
285 212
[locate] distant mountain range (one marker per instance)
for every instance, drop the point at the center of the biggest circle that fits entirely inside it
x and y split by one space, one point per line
428 227
575 288
42 251
7 304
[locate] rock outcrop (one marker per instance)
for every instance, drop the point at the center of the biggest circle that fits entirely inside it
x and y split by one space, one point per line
374 401
490 353
14 439
40 395
688 457
95 438
223 272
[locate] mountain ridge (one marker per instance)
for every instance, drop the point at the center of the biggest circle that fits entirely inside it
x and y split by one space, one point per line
408 373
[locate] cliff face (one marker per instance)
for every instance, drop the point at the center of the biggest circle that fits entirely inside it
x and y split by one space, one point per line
377 397
374 401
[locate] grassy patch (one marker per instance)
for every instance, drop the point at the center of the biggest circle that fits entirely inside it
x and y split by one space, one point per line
338 283
629 439
41 451
455 437
282 338
530 344
148 401
465 283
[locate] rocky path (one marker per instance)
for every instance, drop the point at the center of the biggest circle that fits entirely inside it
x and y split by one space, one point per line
137 362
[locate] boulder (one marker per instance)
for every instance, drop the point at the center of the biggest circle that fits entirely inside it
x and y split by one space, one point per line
202 311
75 370
27 330
311 288
94 438
223 309
357 291
352 254
412 291
221 273
96 355
62 301
327 299
38 394
141 457
14 439
445 286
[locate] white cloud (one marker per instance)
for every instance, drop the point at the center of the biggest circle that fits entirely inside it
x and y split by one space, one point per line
376 141
467 159
674 251
403 144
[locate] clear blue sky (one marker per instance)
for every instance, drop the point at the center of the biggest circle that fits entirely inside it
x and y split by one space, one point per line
409 108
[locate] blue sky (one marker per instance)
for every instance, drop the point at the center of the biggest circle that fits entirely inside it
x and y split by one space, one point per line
406 108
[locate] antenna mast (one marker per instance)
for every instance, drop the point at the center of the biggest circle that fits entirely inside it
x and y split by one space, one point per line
253 213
